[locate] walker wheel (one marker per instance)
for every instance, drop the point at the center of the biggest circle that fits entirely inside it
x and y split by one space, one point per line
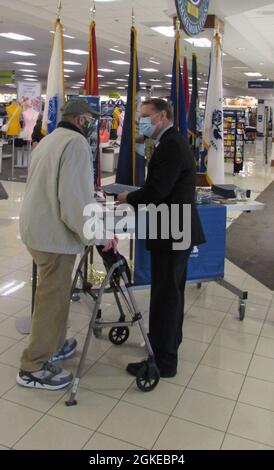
71 402
148 377
119 335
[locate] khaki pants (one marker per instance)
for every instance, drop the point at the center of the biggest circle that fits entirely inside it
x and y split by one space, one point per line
51 310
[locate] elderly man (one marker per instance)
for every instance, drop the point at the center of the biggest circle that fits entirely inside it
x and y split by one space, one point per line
60 186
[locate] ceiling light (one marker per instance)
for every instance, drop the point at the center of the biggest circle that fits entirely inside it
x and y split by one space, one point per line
120 80
69 62
67 76
169 76
31 79
157 86
65 35
100 76
121 87
154 62
75 87
150 70
69 71
154 80
24 63
242 67
111 83
142 83
16 37
106 70
27 70
168 83
76 51
165 30
118 62
116 50
199 42
224 54
11 85
227 84
22 53
30 76
253 74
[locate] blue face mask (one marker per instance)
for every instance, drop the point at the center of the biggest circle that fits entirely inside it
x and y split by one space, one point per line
146 126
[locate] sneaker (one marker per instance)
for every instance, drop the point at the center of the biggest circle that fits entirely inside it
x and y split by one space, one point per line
47 378
67 350
134 367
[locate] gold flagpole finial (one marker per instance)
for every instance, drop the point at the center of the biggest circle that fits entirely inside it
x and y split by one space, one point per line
59 8
178 24
133 17
93 10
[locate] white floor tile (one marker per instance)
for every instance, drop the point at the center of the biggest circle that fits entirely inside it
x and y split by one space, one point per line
54 434
205 409
185 371
5 344
90 411
180 434
262 368
198 331
267 330
107 380
238 443
205 316
265 347
163 398
192 351
214 302
7 328
227 359
251 326
258 393
253 423
216 381
40 400
239 341
15 421
252 310
102 442
134 424
8 378
13 355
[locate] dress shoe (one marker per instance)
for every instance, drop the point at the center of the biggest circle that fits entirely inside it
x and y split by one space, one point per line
134 367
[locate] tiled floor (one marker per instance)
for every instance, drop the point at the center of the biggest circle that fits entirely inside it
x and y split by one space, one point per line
221 398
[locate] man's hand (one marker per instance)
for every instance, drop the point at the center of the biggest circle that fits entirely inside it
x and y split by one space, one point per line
111 245
122 198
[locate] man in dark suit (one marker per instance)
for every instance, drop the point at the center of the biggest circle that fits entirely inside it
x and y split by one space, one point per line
170 181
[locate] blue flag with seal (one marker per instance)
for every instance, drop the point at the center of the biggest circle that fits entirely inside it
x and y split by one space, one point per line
55 86
131 166
177 91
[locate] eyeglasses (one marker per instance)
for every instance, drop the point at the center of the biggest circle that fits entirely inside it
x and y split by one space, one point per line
89 118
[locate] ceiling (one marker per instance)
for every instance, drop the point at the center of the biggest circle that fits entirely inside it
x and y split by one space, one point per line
248 40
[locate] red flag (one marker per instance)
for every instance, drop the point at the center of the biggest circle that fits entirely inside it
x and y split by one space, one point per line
91 83
186 85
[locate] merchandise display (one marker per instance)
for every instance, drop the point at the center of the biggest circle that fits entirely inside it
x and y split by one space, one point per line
234 138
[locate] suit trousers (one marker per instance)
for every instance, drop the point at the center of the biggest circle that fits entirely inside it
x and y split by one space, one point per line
51 309
166 314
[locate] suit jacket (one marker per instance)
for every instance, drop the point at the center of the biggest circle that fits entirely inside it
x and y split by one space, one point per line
170 180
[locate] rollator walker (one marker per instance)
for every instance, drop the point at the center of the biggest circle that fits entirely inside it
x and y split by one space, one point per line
117 272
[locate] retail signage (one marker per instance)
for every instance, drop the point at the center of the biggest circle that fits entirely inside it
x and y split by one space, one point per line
266 84
30 91
192 14
7 76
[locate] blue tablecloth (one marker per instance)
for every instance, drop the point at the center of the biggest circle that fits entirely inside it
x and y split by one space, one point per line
206 261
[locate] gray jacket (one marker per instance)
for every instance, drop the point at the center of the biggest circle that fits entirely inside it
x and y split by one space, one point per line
60 185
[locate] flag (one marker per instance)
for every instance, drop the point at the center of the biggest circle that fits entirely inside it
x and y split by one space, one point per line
193 111
186 85
213 139
91 88
91 81
177 91
55 88
131 167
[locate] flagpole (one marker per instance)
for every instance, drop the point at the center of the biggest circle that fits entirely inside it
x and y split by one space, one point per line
59 9
93 11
